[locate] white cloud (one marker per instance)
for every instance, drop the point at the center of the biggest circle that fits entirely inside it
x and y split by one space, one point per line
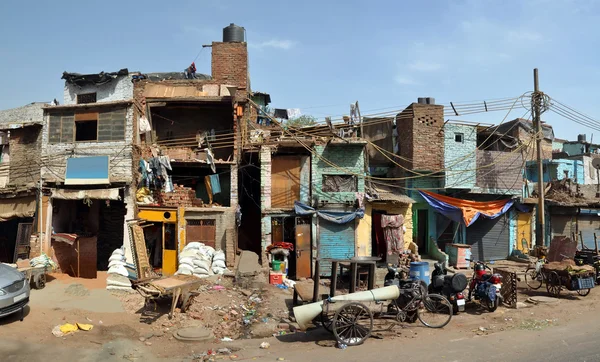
524 35
405 80
275 43
422 66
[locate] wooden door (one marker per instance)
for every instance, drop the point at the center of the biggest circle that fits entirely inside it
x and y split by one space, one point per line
22 243
285 181
422 230
303 248
523 232
169 265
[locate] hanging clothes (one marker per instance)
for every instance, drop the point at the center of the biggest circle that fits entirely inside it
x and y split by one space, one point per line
208 189
393 232
215 184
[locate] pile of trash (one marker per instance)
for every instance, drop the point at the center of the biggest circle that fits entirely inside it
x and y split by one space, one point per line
43 261
201 261
117 273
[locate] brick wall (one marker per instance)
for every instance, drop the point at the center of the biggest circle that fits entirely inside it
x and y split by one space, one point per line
25 149
530 149
119 152
499 171
117 90
346 156
420 132
460 159
230 63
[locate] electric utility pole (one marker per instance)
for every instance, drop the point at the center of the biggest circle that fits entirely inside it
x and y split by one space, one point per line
536 102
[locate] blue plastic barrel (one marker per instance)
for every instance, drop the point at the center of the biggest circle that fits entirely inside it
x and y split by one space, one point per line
419 270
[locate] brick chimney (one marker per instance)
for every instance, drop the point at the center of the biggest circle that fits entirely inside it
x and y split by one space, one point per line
230 63
421 136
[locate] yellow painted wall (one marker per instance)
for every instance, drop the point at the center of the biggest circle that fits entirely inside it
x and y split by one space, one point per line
363 230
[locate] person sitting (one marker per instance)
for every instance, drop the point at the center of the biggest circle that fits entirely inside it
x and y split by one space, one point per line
190 72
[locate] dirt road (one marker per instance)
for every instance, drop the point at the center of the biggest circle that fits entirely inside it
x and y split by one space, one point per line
561 331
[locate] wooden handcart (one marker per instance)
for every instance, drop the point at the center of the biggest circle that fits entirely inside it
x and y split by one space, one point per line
176 287
36 276
566 275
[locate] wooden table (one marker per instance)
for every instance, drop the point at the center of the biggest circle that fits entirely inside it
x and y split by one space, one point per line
353 265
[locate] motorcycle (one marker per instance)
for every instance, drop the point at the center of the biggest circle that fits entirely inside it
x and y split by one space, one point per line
484 286
450 286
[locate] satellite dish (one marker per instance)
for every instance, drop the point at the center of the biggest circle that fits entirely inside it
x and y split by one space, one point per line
596 163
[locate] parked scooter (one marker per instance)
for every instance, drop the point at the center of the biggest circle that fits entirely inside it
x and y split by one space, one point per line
485 286
450 286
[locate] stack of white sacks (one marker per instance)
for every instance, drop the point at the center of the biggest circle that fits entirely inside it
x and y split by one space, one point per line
117 273
201 261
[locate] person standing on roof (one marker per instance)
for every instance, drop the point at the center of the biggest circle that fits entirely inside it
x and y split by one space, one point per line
190 72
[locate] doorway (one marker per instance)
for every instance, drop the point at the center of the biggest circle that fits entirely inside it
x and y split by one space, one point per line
422 230
523 232
161 245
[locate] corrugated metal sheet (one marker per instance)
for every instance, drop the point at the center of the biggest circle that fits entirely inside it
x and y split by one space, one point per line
562 225
335 241
588 225
489 238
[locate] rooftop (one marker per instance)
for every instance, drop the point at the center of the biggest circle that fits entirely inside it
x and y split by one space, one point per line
31 113
92 79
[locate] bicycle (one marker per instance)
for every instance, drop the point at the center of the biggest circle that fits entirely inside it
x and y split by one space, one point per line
534 278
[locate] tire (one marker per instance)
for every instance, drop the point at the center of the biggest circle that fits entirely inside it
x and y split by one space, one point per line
553 285
492 306
40 282
435 311
326 322
533 278
583 292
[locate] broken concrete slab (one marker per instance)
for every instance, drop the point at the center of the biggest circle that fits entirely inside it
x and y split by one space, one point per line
247 265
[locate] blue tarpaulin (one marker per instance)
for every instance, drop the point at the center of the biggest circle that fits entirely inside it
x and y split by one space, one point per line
337 217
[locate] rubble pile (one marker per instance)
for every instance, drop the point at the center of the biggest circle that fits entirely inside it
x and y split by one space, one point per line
405 259
180 196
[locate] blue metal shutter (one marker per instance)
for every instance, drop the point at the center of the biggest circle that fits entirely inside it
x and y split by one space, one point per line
335 241
489 238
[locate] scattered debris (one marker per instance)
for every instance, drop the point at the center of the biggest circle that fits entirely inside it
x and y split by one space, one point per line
265 345
226 339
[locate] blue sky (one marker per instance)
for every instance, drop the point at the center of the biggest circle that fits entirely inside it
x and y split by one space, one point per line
320 56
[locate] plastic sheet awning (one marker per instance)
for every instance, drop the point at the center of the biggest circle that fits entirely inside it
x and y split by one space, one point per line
466 211
337 217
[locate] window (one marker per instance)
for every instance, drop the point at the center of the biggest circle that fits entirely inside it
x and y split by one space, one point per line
86 131
459 137
86 98
70 127
340 183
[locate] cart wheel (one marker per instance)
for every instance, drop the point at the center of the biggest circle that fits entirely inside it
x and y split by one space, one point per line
326 321
40 281
553 284
352 324
583 292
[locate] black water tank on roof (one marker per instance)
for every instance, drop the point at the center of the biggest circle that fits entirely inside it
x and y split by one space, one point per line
233 34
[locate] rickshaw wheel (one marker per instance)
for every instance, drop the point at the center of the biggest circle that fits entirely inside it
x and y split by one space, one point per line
352 324
553 284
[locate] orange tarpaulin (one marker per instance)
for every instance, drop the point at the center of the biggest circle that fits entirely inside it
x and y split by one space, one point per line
471 209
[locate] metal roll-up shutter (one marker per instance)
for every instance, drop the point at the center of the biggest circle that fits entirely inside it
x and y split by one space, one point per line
489 238
588 225
335 241
562 225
